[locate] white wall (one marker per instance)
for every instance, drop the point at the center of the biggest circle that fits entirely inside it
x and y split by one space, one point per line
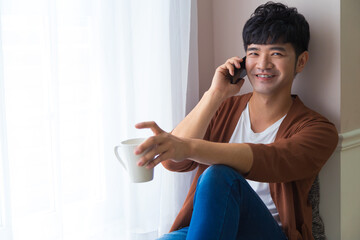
329 84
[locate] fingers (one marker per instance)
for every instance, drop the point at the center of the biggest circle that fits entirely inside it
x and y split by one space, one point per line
154 148
152 125
159 159
231 64
230 67
149 143
158 150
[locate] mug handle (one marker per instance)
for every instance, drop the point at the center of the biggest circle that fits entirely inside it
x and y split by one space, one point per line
118 156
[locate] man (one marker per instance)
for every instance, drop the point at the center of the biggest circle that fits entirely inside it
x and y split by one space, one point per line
268 137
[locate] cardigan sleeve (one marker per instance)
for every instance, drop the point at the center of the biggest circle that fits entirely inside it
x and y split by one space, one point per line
184 166
298 154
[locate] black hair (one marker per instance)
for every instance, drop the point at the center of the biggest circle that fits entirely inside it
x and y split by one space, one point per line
276 23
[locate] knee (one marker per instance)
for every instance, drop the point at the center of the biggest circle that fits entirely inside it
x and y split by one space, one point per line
218 170
216 174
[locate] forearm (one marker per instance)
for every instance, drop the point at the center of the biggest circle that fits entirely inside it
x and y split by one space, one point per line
187 152
236 155
196 122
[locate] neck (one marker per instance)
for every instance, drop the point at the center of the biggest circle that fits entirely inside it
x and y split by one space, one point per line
266 110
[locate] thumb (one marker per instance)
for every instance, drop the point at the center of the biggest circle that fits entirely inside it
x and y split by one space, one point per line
241 82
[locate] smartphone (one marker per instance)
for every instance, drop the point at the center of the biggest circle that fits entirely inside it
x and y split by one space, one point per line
239 73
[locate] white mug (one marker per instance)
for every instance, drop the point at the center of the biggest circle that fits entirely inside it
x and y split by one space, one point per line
125 154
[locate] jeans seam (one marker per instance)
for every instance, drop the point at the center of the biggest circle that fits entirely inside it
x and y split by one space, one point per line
226 208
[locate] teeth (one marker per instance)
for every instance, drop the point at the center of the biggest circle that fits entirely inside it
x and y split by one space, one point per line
264 76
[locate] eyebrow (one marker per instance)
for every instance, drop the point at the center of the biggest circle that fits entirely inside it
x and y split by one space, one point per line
277 48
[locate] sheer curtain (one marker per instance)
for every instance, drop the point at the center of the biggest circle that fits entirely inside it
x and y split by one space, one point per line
75 76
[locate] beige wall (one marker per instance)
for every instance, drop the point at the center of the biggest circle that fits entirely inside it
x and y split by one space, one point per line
350 65
205 44
329 84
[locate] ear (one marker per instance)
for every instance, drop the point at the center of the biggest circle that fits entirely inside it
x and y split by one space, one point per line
301 61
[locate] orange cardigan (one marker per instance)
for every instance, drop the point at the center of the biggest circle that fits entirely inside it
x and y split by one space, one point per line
304 142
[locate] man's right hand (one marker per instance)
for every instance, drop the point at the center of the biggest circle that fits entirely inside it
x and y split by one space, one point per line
221 81
197 121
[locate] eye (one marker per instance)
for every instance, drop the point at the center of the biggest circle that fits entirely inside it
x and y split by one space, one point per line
252 54
277 54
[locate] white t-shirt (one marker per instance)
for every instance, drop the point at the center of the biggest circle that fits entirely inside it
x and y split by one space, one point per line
244 134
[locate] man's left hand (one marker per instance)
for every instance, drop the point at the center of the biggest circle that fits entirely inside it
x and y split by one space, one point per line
162 146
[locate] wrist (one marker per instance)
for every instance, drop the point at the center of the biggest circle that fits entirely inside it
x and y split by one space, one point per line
193 148
215 96
190 142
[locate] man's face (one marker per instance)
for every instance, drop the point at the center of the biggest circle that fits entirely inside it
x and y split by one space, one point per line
271 68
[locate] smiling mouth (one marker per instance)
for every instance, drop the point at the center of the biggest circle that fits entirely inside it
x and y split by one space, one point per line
264 75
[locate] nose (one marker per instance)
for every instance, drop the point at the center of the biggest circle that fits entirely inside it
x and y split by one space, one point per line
264 62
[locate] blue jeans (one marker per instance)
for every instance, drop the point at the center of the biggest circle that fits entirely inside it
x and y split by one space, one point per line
226 207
